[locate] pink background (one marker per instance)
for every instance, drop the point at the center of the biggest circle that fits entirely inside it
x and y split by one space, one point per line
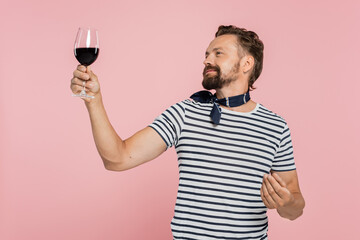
52 182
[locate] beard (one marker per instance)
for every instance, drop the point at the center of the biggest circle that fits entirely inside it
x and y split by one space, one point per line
219 80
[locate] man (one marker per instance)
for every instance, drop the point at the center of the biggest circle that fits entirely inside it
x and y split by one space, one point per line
235 156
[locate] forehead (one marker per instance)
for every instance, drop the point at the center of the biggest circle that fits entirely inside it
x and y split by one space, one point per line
227 42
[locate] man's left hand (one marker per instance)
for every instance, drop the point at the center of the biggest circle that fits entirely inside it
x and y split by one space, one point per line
274 192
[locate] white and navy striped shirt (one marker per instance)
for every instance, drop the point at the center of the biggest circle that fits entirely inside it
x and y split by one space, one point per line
221 168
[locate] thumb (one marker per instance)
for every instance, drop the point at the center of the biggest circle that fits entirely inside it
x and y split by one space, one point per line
91 74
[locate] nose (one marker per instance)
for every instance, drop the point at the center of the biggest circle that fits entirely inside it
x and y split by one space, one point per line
208 61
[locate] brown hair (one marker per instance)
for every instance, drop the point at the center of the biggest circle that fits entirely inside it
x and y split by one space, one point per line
251 43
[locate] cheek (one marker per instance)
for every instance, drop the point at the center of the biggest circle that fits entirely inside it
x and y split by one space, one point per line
226 68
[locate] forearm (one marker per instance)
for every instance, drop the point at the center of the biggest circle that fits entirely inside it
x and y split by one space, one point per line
293 210
107 141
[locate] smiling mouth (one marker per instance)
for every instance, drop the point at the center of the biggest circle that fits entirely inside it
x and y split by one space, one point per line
210 71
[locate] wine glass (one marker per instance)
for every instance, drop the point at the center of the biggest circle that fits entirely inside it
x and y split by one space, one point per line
86 51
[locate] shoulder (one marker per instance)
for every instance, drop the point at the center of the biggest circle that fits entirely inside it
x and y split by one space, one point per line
266 113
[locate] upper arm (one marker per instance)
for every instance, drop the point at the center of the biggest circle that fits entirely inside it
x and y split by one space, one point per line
153 140
142 147
291 180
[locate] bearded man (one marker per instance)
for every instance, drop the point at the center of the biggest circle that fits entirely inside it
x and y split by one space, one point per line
235 156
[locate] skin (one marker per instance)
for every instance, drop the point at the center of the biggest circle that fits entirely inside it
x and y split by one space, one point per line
279 190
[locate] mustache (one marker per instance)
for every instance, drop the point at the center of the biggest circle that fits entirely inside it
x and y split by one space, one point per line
215 68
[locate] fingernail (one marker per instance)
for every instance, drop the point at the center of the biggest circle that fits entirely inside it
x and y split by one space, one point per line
91 85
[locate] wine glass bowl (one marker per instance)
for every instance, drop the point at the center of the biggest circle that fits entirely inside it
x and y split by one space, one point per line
86 56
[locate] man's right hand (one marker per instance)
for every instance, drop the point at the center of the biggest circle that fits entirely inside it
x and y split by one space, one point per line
83 75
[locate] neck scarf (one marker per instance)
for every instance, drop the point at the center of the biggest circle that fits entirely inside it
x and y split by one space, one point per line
208 97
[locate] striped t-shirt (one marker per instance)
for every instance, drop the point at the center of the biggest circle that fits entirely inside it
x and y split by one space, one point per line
221 168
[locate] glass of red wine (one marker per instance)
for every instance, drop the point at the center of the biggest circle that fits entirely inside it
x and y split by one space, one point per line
86 51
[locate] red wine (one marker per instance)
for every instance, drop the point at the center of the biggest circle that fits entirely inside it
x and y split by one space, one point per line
86 56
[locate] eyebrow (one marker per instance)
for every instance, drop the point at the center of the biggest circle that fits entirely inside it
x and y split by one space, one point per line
215 49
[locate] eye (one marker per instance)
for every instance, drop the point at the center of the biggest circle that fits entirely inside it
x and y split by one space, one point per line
218 53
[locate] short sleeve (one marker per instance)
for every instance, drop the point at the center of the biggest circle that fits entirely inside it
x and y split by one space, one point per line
284 156
170 123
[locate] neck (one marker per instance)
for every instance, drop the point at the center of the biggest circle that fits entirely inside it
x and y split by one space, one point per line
231 90
234 89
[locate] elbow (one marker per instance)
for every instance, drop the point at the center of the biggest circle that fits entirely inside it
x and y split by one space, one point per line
115 166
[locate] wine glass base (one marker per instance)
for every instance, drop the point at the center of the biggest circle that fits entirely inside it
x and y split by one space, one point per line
82 95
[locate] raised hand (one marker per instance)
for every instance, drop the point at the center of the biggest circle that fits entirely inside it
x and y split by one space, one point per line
83 76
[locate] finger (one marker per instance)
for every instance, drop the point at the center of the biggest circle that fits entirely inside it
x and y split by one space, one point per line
279 190
79 82
263 198
279 179
88 71
276 198
81 75
93 77
270 202
76 81
81 68
76 89
267 195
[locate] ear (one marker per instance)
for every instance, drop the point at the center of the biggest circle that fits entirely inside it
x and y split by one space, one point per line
247 63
